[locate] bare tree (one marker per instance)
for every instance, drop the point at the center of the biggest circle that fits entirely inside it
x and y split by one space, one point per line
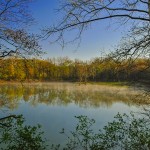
135 44
79 14
14 39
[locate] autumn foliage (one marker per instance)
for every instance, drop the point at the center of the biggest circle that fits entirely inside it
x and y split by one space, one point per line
64 69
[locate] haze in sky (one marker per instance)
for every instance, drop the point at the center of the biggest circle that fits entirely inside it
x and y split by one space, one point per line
100 38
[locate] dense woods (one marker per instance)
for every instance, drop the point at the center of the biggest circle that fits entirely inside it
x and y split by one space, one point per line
65 69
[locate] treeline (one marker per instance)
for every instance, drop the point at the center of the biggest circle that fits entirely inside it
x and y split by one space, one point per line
64 69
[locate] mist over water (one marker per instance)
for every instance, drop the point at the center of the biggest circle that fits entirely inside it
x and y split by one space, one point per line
54 105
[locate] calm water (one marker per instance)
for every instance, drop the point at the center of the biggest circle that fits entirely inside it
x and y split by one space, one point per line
54 105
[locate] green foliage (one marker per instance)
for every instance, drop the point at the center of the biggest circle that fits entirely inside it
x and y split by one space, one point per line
14 135
123 133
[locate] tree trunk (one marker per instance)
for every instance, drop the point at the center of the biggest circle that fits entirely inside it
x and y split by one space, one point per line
149 7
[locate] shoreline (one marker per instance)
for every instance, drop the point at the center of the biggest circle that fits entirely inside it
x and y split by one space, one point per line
69 82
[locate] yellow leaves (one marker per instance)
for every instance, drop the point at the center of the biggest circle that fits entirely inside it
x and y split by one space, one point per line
100 69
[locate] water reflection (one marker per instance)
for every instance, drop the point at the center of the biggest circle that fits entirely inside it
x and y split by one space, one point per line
54 105
62 94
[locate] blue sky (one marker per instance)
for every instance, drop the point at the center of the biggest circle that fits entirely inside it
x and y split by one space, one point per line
99 39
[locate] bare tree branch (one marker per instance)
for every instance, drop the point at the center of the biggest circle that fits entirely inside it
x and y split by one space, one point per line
79 14
14 39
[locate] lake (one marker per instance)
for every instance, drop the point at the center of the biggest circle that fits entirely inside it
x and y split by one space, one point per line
54 105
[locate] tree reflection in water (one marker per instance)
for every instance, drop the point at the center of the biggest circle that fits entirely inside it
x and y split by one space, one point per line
16 134
64 94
